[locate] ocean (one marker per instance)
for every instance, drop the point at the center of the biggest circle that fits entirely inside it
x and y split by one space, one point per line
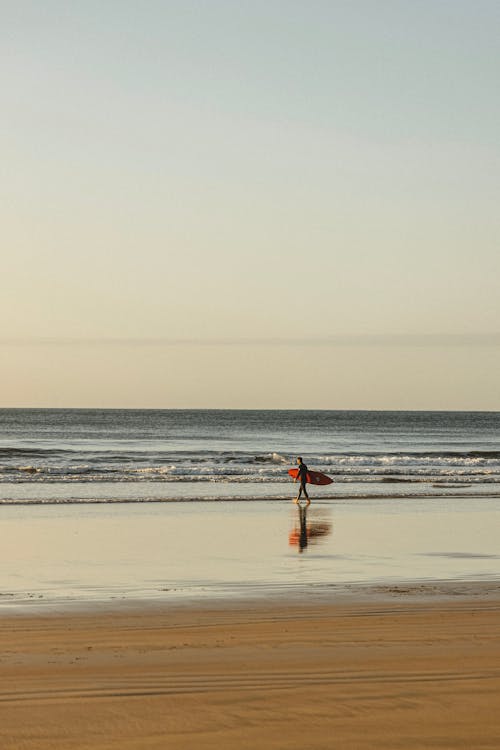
92 455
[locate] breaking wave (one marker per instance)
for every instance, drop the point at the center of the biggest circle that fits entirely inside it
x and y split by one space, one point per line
241 467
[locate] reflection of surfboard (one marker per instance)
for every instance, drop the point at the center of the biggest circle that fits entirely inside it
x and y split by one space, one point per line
312 477
312 532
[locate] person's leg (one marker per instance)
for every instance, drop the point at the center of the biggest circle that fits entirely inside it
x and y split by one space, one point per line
303 487
297 499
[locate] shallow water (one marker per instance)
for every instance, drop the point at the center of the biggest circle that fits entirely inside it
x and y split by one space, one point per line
61 554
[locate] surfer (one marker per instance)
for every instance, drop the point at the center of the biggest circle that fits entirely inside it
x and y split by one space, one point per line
302 478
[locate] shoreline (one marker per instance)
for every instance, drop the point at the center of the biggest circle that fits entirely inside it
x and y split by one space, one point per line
133 493
397 669
487 494
408 591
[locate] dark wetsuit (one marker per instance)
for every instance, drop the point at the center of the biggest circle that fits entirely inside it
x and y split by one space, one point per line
302 477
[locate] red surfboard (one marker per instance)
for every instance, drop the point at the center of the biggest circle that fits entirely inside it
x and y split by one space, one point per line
312 477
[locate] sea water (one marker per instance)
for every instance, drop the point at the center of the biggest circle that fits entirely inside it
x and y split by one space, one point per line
80 455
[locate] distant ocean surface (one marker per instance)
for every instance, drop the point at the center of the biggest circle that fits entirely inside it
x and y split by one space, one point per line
92 455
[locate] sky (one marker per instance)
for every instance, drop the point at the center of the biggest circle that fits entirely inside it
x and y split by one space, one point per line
260 204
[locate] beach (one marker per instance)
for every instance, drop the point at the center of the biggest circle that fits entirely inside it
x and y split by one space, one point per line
393 667
226 624
67 555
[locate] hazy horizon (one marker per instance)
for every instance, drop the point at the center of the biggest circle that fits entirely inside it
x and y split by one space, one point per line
265 205
244 409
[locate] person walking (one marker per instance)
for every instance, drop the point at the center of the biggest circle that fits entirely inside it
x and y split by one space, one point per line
302 478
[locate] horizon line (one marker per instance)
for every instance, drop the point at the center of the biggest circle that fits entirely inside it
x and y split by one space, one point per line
337 340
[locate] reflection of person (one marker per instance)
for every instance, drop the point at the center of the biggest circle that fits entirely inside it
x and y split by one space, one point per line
303 529
302 478
306 533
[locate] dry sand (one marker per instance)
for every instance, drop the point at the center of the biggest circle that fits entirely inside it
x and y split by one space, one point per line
391 671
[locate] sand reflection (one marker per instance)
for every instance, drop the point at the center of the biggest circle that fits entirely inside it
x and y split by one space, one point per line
310 527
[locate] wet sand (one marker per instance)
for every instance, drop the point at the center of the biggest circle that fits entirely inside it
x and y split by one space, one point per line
199 551
395 666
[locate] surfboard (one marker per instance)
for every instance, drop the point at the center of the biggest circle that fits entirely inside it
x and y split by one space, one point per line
312 477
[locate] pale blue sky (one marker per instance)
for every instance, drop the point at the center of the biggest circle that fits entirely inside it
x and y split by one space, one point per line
217 173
